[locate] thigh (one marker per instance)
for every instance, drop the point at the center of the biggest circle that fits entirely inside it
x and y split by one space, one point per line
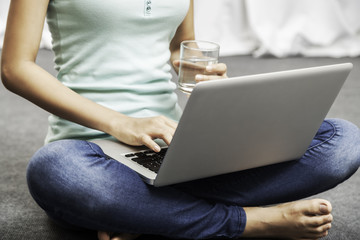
76 183
332 157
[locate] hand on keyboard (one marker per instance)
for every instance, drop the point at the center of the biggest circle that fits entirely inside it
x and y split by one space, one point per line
143 131
149 159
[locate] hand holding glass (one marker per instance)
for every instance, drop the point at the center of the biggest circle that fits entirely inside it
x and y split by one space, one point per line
195 56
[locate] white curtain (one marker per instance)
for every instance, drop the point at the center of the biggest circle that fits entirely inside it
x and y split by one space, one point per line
281 27
4 8
269 27
306 27
225 22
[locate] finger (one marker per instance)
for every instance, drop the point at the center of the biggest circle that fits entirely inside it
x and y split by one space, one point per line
176 63
191 65
165 134
167 138
201 78
172 124
219 68
162 121
150 143
168 133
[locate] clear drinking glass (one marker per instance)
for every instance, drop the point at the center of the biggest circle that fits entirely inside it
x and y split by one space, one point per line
194 57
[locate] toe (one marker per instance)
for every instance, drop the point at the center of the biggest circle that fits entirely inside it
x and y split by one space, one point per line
322 231
103 236
318 221
318 207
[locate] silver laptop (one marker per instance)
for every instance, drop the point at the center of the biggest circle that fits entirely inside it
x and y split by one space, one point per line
239 123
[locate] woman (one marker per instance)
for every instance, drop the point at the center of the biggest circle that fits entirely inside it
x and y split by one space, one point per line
114 80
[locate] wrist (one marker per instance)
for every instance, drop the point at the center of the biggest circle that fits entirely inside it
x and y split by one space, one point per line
116 124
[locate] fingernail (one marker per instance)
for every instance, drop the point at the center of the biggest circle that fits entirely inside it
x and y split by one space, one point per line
209 68
157 148
199 77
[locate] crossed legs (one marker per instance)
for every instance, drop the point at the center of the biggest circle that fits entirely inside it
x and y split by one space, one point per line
77 184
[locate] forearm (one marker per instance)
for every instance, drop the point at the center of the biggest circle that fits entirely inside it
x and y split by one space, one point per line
21 75
28 80
35 84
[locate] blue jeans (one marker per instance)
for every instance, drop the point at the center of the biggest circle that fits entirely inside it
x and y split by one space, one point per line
76 184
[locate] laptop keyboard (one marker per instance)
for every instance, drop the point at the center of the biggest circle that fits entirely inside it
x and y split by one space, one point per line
148 158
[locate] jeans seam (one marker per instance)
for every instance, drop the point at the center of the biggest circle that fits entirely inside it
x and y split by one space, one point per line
327 140
239 225
242 224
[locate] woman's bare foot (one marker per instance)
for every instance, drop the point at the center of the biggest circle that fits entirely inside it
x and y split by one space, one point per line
305 219
117 236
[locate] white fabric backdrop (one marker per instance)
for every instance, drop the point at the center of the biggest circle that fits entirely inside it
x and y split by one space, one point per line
277 27
307 27
4 7
281 27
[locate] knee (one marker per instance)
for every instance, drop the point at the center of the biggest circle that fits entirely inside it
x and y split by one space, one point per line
43 160
46 167
345 149
49 156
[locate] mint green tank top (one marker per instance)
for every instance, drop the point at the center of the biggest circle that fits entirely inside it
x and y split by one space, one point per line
115 53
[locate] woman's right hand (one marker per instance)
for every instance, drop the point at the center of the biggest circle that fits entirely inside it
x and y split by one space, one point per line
143 131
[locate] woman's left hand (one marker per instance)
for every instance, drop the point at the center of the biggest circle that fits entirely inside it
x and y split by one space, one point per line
214 71
211 72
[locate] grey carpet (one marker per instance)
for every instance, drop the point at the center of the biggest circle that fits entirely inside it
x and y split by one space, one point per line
23 128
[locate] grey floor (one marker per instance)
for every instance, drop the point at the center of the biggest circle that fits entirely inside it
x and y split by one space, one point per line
23 128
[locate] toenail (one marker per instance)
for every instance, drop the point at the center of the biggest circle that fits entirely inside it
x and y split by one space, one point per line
329 226
323 208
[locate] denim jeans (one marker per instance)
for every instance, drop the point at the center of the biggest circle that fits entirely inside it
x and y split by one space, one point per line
76 184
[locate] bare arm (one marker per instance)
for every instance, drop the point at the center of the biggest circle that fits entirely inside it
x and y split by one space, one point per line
21 75
184 32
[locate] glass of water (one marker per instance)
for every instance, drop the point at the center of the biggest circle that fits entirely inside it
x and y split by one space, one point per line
195 56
